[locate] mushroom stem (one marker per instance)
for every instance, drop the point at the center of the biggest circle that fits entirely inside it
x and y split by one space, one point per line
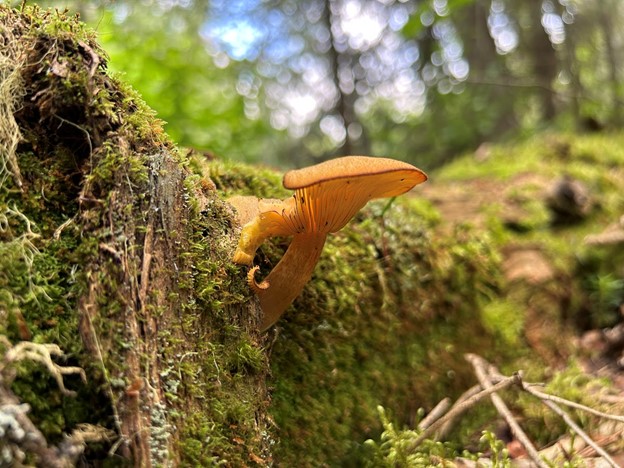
287 279
250 239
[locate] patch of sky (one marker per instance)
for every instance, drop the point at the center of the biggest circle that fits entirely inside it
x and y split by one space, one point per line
501 28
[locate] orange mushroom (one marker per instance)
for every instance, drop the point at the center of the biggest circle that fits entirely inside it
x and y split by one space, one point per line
327 196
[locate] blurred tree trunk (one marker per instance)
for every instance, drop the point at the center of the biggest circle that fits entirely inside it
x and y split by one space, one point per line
571 67
535 42
342 61
609 31
486 64
479 48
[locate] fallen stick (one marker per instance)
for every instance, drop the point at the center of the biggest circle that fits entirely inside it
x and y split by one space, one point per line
562 401
457 409
480 365
436 413
492 381
576 428
551 402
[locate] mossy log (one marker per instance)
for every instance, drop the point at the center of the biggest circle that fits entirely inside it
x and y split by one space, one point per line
114 250
116 247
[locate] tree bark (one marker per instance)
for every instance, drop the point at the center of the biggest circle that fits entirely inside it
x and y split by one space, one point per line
138 284
608 31
543 58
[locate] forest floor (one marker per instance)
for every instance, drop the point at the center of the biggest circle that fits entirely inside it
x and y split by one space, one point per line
530 259
467 200
472 202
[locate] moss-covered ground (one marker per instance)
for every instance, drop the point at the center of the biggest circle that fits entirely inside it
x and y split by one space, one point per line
404 291
116 246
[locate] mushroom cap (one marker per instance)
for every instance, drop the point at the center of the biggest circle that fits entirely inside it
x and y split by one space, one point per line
329 194
326 197
401 176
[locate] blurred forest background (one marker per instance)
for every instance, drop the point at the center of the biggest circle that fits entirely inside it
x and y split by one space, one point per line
288 83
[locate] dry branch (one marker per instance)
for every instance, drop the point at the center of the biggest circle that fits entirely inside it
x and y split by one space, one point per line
576 428
436 413
562 401
492 381
480 367
458 409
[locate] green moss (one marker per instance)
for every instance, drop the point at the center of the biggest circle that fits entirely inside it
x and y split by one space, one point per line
384 302
225 376
91 190
501 318
394 302
571 383
232 178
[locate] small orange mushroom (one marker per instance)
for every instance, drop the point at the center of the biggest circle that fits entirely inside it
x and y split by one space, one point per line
327 196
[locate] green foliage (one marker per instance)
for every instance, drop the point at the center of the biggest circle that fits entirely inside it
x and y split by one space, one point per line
232 78
395 448
497 450
601 279
165 56
606 294
544 426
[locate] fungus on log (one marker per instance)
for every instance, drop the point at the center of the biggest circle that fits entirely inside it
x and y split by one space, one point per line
327 196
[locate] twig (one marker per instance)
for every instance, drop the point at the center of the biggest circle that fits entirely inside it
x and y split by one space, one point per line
588 451
551 402
562 401
95 59
575 427
59 230
148 247
530 388
480 365
448 425
457 409
83 130
436 413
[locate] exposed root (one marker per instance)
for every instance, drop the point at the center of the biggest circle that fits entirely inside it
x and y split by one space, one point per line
22 242
19 436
